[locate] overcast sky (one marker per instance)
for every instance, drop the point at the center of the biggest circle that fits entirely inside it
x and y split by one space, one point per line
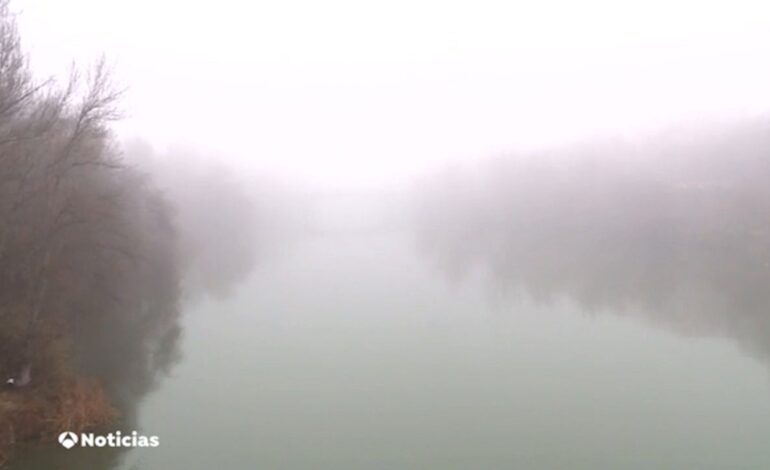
353 93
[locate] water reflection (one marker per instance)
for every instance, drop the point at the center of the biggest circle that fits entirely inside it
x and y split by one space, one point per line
677 233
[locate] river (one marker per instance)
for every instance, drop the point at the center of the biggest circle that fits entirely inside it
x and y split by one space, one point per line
350 351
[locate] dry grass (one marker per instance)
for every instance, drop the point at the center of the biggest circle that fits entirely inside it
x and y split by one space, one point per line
41 413
81 405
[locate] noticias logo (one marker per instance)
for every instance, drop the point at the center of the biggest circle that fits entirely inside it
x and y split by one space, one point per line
69 439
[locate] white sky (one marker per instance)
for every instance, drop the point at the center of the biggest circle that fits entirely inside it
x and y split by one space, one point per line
354 93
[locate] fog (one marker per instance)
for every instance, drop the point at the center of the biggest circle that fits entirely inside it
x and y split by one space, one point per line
413 235
672 229
341 94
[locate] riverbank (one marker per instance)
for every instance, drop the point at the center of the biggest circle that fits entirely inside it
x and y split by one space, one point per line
39 414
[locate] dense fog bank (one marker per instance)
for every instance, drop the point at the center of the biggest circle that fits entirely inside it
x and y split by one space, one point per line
674 227
226 223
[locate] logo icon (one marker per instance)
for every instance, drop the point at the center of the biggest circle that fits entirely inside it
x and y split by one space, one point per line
68 439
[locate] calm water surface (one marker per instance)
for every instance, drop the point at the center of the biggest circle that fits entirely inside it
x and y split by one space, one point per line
353 352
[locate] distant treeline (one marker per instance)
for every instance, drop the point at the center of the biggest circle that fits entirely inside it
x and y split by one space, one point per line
225 227
674 227
93 253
